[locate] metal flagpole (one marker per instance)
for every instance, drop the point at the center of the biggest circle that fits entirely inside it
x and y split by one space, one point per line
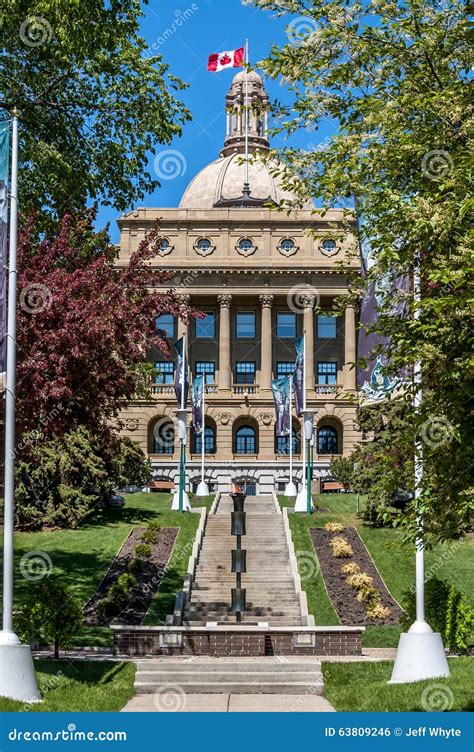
301 503
420 653
203 430
246 183
290 489
17 677
182 446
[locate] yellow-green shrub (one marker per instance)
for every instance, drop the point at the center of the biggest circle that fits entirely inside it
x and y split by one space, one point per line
360 581
341 548
378 612
334 527
350 568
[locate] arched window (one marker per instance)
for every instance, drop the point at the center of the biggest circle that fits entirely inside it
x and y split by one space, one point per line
282 443
327 440
209 441
162 437
246 440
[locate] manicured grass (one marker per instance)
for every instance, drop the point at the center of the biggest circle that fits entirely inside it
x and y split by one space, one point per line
363 687
75 686
395 561
82 556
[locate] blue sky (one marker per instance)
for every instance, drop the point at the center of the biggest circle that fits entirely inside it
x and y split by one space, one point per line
185 33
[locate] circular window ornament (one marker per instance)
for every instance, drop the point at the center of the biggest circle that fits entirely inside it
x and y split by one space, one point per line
245 246
204 246
287 246
163 246
329 247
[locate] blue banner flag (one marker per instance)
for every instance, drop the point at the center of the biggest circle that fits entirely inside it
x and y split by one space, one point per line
197 393
281 396
181 377
298 375
4 189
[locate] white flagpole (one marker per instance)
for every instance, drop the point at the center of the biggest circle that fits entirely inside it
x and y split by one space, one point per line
17 676
246 186
291 431
203 429
301 502
183 368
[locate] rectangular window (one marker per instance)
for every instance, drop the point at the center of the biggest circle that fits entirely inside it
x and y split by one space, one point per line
245 373
164 372
206 328
286 325
285 368
245 327
327 328
206 368
327 373
166 322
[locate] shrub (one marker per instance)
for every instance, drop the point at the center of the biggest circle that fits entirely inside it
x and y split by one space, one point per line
341 548
370 596
447 611
117 596
350 568
360 581
50 612
135 565
142 551
378 612
333 527
149 536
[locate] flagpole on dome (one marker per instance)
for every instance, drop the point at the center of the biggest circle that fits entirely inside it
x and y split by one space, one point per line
17 675
246 181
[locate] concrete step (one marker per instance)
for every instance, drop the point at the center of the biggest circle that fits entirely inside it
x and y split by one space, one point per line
244 688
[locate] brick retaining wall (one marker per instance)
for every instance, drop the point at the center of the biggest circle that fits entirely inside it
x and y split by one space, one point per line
224 641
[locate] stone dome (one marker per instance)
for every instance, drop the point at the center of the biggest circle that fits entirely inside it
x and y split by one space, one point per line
223 180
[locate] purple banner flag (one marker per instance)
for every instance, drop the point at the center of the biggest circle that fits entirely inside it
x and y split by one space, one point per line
298 375
197 393
181 377
4 183
281 396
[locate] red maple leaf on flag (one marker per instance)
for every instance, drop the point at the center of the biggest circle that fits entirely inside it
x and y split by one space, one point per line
225 60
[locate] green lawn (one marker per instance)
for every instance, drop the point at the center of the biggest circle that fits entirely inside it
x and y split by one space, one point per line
83 556
79 686
374 694
396 562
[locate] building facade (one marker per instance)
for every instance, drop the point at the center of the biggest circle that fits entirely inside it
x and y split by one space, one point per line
262 276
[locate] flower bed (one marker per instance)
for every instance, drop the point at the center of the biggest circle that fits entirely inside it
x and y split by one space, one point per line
140 584
339 572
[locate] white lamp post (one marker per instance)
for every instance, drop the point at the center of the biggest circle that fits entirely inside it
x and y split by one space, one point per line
290 488
203 488
304 501
180 501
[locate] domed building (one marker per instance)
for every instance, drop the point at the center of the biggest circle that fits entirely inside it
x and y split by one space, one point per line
262 275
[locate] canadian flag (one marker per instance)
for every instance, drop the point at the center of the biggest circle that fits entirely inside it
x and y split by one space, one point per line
228 59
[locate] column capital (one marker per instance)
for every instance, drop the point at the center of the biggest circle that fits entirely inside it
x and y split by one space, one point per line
308 299
266 299
225 301
183 298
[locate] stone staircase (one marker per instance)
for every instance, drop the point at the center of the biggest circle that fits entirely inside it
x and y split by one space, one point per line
270 586
289 676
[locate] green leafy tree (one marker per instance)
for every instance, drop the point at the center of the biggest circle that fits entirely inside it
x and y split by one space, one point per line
394 77
341 470
94 104
50 613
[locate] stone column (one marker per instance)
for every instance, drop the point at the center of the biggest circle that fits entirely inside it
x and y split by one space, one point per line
349 349
308 326
225 302
184 300
266 301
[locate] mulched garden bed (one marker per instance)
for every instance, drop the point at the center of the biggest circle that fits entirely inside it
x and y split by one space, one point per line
148 580
342 595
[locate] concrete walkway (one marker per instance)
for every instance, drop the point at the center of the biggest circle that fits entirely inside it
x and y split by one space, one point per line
174 701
